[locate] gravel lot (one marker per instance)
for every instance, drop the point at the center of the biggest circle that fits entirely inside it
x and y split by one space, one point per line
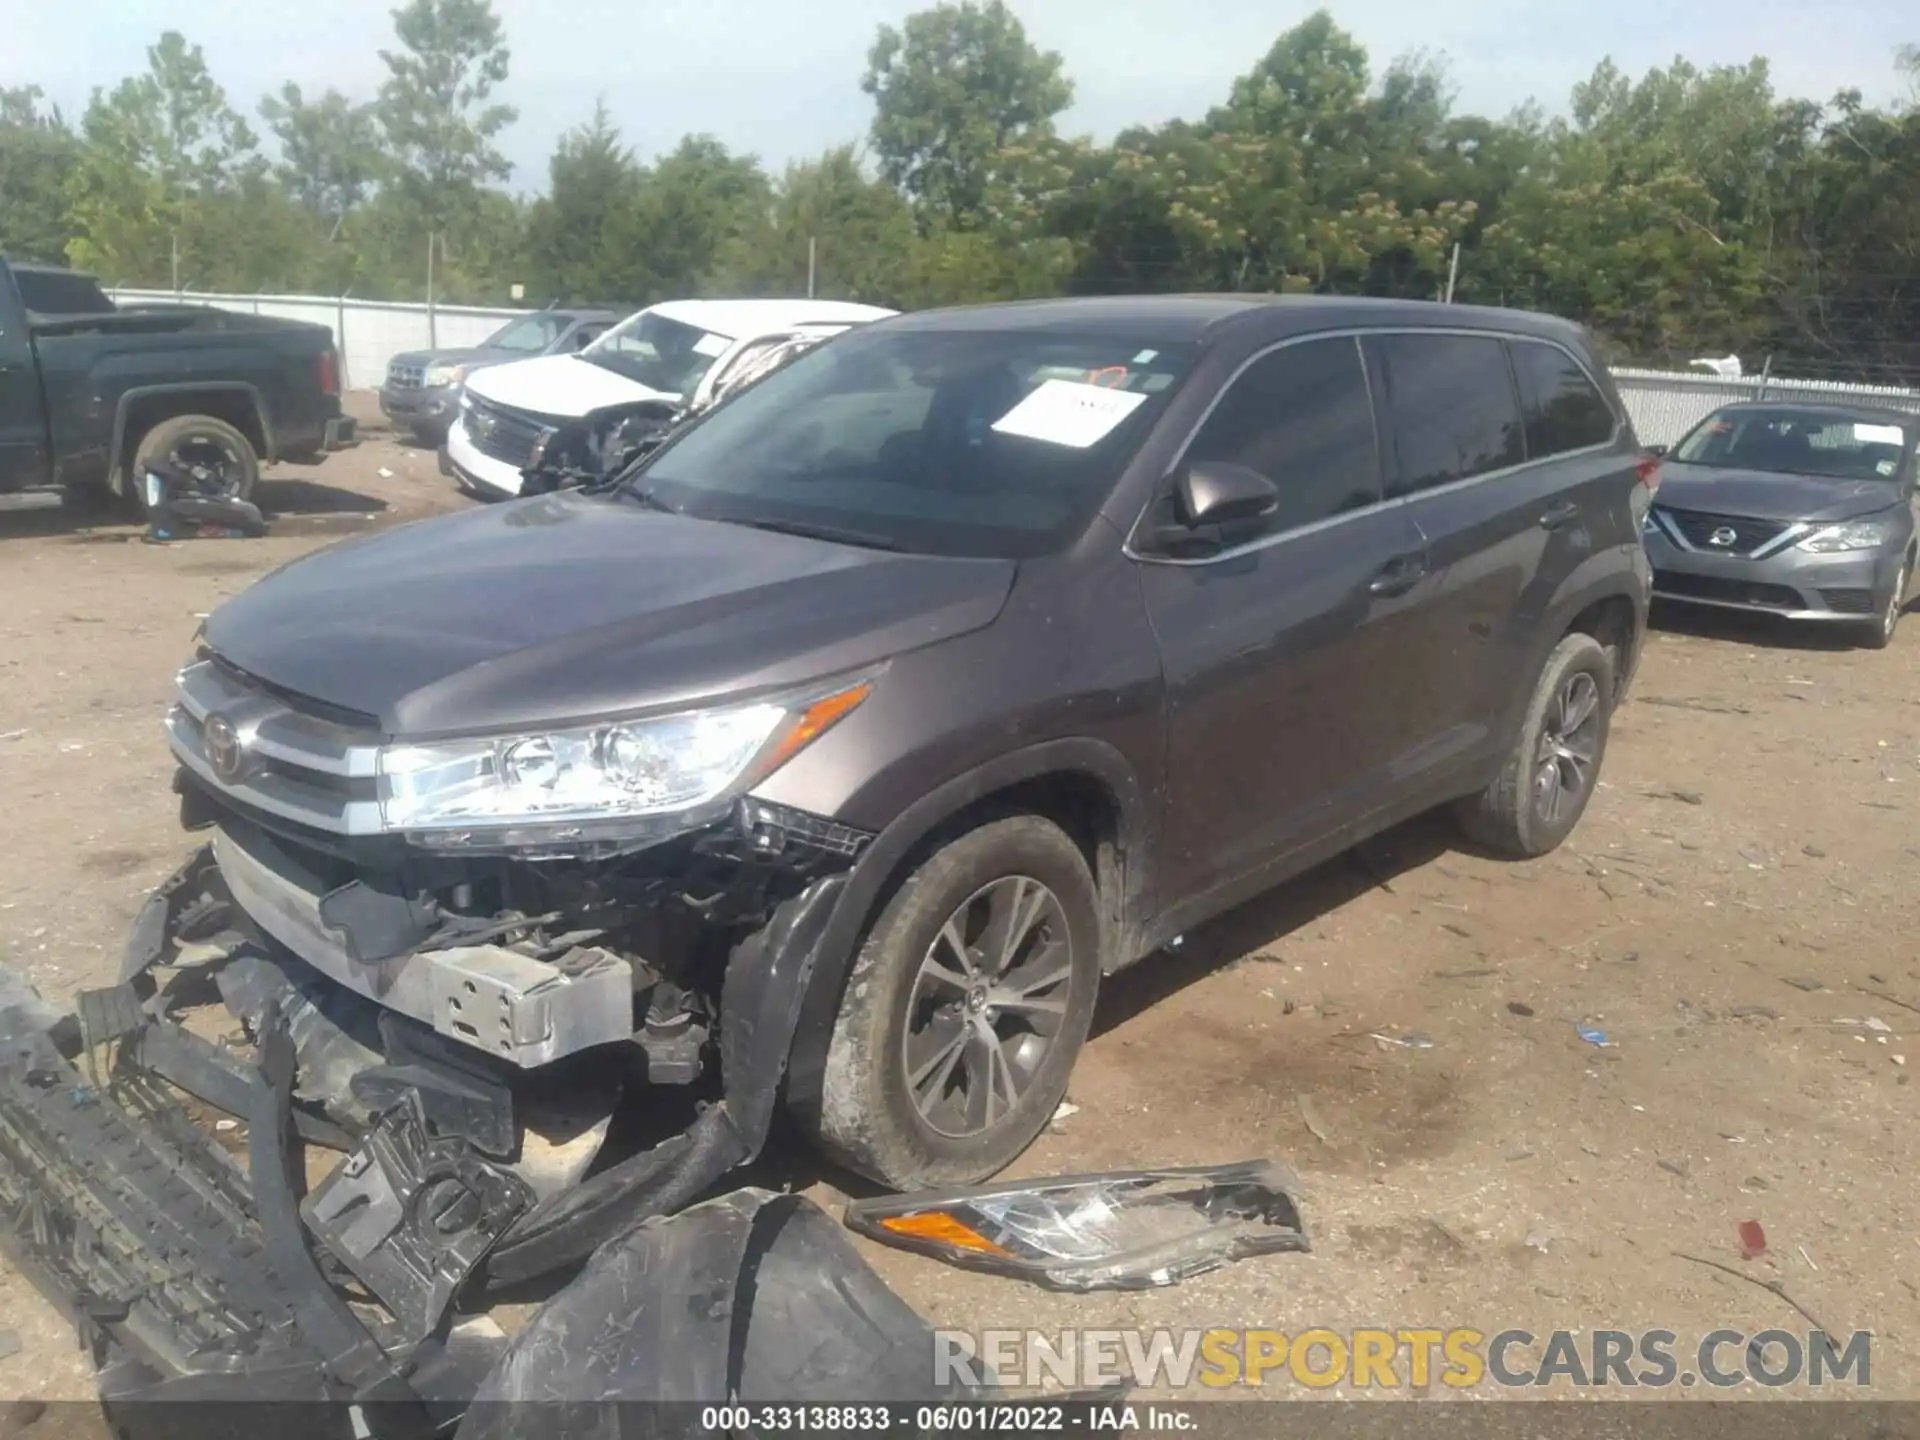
1735 895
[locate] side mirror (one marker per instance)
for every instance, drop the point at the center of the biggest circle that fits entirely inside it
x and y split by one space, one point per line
1658 449
1214 494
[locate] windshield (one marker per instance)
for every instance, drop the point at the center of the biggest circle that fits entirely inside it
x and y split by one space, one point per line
530 334
658 353
1798 442
944 442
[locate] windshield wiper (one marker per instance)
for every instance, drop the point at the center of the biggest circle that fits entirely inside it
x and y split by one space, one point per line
620 485
865 539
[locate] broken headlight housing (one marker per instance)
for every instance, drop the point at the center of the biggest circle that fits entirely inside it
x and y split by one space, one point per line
595 781
1122 1230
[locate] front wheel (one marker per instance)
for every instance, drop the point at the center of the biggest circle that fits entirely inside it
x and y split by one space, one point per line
1549 775
965 1010
1879 635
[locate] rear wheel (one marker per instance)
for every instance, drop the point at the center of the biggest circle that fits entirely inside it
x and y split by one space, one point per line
965 1010
217 459
1543 788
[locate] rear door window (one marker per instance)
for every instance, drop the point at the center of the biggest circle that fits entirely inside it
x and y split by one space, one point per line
1564 408
1450 408
1301 417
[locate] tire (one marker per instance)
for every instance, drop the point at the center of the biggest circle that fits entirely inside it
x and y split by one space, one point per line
1879 634
1512 816
868 1117
431 435
198 438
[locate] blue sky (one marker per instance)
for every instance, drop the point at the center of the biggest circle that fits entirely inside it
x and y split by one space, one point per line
780 78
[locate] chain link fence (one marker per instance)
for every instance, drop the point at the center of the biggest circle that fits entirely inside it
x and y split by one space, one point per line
1664 404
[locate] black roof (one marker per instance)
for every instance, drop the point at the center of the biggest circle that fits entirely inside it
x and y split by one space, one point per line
36 267
1839 409
1205 317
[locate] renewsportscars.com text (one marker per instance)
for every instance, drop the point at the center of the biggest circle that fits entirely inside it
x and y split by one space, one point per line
1459 1358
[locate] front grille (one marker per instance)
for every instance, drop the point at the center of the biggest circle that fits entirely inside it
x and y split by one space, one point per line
502 434
1731 592
1850 602
274 755
406 377
1699 528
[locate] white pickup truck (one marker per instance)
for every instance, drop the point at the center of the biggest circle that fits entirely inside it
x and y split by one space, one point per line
681 352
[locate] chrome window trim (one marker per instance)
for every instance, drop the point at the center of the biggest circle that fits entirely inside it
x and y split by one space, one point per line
1358 335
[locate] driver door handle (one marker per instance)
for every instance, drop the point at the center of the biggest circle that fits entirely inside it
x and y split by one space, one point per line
1399 574
1563 514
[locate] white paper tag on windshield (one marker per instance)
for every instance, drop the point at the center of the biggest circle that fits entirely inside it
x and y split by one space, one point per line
1878 434
1067 412
712 346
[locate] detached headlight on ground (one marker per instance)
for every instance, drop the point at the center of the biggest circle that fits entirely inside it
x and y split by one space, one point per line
591 780
1853 535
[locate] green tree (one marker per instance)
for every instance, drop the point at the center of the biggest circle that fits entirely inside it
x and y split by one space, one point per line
436 104
861 232
953 89
330 153
576 232
37 150
692 207
160 148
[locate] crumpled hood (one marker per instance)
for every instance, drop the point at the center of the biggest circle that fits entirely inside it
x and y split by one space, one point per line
574 607
1761 495
559 385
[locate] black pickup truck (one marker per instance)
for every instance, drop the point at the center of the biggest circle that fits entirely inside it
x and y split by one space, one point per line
90 392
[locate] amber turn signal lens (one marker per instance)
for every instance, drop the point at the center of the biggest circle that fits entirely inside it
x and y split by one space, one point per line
943 1229
813 722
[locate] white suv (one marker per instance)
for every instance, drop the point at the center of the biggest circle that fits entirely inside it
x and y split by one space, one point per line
682 351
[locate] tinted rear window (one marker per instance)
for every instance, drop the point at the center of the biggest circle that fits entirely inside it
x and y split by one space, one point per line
1450 407
56 293
1564 409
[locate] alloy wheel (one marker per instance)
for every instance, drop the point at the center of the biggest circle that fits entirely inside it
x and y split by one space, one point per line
1569 747
990 996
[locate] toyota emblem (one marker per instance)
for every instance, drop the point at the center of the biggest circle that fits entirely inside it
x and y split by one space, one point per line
1724 537
225 753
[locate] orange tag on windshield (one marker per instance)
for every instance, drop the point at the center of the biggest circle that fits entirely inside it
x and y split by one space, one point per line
1112 377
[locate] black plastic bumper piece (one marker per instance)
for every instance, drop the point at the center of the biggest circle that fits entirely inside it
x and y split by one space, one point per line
753 1297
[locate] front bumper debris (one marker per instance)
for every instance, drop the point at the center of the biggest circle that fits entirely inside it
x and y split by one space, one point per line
184 1249
525 1010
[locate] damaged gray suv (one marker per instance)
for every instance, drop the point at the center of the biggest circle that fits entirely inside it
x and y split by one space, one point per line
834 753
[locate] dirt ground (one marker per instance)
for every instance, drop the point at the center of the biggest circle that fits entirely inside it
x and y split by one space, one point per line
1734 897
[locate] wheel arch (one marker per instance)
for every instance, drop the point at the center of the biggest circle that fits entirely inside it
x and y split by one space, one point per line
140 409
1085 786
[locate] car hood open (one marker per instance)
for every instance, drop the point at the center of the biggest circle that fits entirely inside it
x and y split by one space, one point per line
574 607
1763 495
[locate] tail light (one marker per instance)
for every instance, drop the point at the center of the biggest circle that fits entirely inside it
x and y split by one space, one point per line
1647 470
327 368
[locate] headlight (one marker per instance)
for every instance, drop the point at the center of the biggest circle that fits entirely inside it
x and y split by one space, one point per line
1854 535
439 375
598 780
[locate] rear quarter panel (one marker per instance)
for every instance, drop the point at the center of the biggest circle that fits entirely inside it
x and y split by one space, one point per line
88 373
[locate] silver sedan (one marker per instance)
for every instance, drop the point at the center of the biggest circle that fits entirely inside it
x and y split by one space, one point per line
1802 511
